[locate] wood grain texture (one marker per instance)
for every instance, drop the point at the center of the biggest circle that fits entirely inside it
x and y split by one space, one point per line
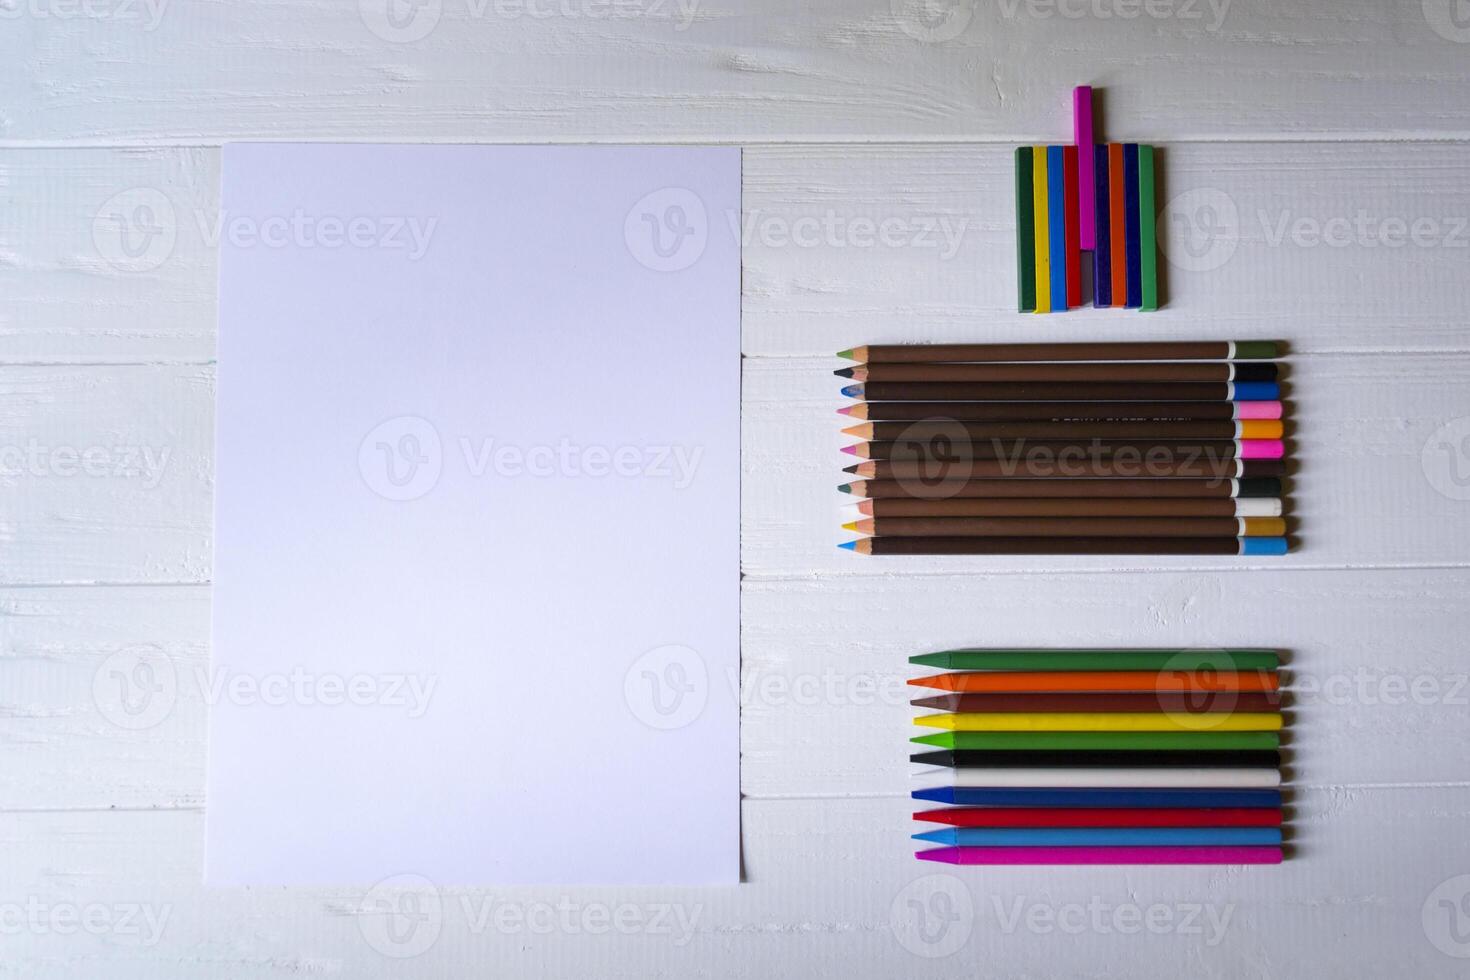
159 72
877 208
830 885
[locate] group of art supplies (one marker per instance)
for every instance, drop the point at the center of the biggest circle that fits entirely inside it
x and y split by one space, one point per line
1127 448
1087 197
1100 757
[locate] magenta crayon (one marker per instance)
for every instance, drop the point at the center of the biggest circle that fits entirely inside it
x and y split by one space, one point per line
1227 854
1086 180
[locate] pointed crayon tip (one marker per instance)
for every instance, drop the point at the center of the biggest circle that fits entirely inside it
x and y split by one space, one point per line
847 354
851 469
850 450
850 526
849 545
845 410
845 487
844 372
853 391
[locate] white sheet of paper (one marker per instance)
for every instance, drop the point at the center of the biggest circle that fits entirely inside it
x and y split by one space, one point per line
476 585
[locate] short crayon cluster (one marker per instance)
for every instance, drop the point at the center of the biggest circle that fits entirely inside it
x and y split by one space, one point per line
1088 197
1100 757
1133 448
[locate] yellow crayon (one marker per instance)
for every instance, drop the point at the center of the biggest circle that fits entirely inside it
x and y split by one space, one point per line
1043 228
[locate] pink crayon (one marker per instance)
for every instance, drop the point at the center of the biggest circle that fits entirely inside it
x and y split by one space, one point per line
1082 126
1262 449
1257 410
1103 855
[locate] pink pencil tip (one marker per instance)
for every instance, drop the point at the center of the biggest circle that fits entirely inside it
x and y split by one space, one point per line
845 410
850 450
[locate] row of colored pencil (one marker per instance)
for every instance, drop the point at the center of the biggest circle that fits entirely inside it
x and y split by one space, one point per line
1100 757
1103 448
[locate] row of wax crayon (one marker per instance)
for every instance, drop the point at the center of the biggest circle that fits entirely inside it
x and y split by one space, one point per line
1100 757
1086 198
1167 448
1048 230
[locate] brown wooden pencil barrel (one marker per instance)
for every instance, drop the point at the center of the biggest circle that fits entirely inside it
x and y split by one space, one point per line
1119 467
1054 527
1107 701
879 488
1050 507
1128 350
1055 431
1158 371
1042 411
918 391
1049 546
944 450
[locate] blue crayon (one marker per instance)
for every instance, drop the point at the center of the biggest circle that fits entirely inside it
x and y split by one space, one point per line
1240 391
1056 210
1102 836
983 796
1102 265
1263 546
1135 244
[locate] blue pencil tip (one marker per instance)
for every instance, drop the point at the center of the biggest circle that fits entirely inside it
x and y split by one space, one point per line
849 545
853 391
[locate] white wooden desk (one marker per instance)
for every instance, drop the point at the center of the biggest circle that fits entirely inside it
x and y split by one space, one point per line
1317 179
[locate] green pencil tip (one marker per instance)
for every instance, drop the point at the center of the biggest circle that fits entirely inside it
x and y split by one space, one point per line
847 354
845 487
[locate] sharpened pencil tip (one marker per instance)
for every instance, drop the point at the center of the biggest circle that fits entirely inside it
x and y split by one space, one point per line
845 410
844 372
847 354
850 526
853 391
850 450
849 545
845 487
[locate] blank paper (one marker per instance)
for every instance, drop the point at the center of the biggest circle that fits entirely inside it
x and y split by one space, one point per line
476 586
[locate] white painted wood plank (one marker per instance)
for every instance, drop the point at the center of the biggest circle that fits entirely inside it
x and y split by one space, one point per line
1332 247
106 473
825 703
87 279
155 72
1377 444
832 891
103 256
